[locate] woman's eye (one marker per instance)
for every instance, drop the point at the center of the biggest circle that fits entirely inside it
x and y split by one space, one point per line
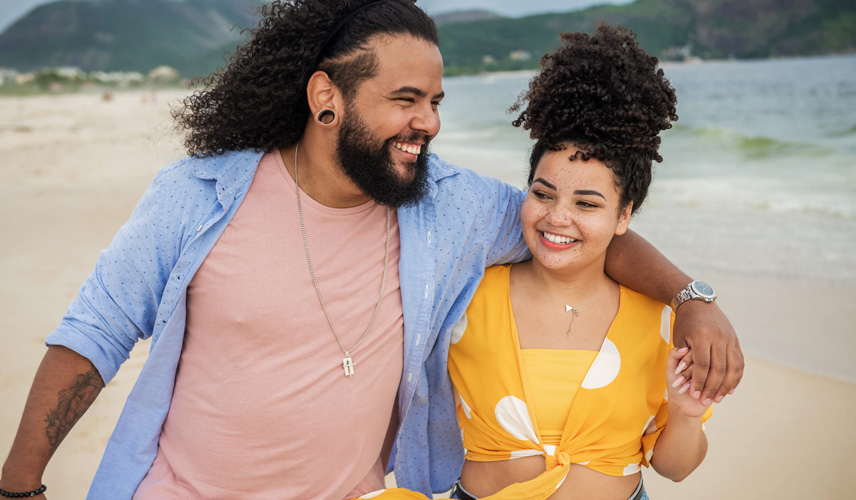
541 195
586 204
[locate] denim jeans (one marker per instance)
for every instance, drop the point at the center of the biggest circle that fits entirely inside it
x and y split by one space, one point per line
460 493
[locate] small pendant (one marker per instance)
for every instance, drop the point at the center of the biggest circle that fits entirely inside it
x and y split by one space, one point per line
575 312
348 364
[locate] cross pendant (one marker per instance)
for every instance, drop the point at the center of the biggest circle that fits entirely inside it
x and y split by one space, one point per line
348 364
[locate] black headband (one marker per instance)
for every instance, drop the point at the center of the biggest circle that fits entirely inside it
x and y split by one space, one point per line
342 24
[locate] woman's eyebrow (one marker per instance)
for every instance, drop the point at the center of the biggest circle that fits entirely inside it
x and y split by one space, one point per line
542 181
589 192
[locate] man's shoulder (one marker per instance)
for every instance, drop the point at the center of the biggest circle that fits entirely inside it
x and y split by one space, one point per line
213 167
440 169
453 178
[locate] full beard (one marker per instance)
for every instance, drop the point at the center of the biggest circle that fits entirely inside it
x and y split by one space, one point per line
368 163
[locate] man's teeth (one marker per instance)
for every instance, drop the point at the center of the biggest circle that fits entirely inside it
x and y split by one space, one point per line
409 148
561 240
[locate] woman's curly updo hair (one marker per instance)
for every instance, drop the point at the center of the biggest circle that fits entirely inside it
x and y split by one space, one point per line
258 101
606 98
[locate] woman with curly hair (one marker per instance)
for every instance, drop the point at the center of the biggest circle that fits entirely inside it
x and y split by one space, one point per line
567 381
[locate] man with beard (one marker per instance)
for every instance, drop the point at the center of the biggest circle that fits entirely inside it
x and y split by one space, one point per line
299 276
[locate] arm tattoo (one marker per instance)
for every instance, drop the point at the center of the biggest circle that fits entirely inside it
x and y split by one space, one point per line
71 404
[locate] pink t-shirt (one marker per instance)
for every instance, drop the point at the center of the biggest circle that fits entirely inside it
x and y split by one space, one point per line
261 407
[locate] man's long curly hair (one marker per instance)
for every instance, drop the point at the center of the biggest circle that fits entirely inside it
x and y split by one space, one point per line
607 98
258 101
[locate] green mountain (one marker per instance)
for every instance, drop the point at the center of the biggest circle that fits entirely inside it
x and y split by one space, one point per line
669 29
123 35
192 35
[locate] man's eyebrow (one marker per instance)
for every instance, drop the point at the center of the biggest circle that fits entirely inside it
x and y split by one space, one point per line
417 92
589 192
542 181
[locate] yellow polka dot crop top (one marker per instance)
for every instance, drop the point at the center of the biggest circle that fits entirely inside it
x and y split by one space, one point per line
616 416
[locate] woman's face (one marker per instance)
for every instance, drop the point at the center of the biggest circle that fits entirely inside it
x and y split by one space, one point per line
572 212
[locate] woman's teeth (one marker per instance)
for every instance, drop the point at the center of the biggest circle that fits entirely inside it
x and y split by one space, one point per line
555 238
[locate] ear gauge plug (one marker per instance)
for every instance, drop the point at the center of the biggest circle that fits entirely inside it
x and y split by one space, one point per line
326 117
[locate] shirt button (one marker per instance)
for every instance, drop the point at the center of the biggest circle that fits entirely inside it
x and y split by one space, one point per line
429 237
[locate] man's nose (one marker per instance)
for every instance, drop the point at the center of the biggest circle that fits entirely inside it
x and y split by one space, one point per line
427 120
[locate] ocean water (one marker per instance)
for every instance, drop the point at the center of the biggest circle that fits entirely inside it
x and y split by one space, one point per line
760 167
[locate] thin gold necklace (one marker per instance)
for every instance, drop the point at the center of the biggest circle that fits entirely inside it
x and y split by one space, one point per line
347 362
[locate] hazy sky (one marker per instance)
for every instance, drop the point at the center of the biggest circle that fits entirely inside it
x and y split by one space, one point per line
12 10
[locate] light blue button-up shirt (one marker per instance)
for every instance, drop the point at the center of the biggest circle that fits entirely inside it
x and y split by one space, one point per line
139 285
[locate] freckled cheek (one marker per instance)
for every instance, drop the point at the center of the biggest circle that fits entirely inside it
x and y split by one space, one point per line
595 231
529 216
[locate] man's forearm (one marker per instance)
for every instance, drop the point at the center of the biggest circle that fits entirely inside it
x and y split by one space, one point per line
717 359
65 386
636 264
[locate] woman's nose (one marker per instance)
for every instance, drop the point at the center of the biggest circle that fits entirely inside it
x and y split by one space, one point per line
559 216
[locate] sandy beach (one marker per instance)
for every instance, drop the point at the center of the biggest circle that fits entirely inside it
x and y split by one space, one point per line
72 168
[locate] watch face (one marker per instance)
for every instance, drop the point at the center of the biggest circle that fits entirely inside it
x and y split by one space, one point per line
703 288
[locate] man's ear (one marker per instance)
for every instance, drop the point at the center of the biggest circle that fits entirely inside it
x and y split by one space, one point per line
325 99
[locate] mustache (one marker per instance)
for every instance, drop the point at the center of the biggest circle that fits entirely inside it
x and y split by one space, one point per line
413 137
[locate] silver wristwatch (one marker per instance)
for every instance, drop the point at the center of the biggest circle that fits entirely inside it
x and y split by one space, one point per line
697 290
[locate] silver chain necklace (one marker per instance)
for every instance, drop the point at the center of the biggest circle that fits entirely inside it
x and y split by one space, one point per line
576 312
347 363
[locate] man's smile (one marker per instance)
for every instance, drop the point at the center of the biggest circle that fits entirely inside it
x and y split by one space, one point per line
413 149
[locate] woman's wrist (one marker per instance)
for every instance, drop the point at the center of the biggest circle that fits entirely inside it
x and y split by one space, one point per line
678 414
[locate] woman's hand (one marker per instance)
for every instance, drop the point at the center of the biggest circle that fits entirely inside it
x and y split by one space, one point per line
679 369
682 445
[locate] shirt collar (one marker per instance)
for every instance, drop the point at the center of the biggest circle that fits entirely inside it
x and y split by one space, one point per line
230 170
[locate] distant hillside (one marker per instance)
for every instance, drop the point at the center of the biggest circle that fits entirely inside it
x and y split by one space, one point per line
114 35
670 29
192 35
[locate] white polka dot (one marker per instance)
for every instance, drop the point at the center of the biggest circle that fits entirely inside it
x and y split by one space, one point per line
562 481
550 450
649 426
584 463
466 408
666 395
513 415
666 324
631 469
526 453
373 494
458 330
649 455
605 367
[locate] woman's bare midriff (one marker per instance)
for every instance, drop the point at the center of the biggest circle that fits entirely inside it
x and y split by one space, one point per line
486 478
